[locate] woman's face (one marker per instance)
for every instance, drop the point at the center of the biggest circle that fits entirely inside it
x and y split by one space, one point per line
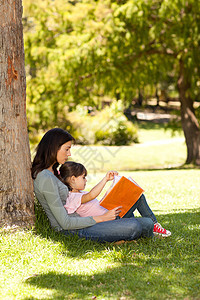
64 152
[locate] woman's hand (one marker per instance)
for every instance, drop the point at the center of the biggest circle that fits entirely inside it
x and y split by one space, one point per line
109 215
110 175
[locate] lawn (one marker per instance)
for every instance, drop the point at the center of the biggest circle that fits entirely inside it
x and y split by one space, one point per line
41 264
157 150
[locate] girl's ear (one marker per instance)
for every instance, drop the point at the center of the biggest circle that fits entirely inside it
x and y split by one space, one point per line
72 179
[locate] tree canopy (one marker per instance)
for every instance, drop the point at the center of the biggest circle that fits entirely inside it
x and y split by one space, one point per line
83 51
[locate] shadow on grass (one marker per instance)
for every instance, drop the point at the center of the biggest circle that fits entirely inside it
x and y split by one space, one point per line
148 125
128 281
183 225
149 269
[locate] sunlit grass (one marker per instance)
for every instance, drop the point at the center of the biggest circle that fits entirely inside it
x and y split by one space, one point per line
41 264
136 157
157 149
166 191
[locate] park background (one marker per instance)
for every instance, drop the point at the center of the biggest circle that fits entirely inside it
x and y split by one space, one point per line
93 69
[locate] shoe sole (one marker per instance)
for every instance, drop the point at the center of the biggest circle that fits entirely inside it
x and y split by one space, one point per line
162 234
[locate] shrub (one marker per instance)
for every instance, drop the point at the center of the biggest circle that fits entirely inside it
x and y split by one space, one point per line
107 127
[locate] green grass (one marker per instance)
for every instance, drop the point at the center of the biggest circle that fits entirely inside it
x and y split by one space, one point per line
157 149
42 264
154 132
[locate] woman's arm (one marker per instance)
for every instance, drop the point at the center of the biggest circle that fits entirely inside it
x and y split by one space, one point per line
47 190
109 215
96 190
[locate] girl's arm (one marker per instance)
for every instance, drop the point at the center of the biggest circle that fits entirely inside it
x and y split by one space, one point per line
95 191
46 190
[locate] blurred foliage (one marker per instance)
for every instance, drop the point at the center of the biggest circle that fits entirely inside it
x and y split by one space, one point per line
81 52
108 127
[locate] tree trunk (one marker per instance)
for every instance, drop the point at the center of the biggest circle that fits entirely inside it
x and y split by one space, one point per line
189 121
16 188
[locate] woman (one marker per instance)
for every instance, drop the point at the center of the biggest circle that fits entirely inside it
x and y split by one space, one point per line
54 149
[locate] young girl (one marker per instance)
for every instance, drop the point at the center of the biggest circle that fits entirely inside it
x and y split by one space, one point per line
85 203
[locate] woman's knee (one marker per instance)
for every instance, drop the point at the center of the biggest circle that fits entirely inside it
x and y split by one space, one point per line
151 226
124 229
150 223
147 226
135 230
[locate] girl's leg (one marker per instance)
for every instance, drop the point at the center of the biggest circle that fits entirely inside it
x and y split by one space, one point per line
111 231
142 206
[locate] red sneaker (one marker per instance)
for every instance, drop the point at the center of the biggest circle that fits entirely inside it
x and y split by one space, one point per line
159 230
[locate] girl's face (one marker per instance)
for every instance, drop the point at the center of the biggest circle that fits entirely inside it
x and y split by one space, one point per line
79 182
64 152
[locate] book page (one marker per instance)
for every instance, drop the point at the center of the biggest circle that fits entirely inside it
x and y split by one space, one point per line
131 179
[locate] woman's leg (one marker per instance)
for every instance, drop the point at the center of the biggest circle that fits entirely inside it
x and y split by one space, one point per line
147 226
111 231
142 206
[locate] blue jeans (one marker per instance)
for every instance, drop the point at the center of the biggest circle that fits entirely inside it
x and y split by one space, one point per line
142 206
127 228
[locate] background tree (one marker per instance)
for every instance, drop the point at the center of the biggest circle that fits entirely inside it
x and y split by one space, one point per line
16 192
166 37
92 49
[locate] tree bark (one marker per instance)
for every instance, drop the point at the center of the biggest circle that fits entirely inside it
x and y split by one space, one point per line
16 188
189 121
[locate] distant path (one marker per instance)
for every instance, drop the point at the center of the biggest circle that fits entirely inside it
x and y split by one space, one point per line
154 117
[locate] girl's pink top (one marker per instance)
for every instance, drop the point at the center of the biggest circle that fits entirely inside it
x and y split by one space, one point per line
88 209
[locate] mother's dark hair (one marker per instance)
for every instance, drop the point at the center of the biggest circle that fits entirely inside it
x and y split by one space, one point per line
46 151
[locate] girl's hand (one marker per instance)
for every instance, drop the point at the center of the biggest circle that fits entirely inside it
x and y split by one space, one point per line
110 175
109 215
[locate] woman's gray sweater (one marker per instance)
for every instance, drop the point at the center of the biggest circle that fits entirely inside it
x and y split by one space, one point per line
52 195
